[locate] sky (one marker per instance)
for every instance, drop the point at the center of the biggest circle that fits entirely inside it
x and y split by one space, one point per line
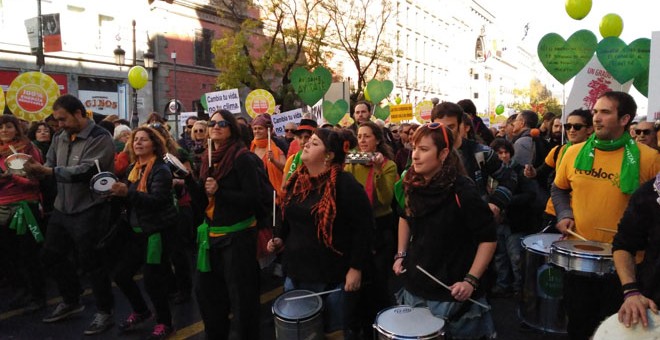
640 18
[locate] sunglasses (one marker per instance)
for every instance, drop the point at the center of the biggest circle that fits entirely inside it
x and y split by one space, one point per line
395 131
289 130
198 131
644 132
219 123
435 126
189 126
577 127
156 126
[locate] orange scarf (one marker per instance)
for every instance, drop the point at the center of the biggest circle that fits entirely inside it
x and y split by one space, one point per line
141 172
274 174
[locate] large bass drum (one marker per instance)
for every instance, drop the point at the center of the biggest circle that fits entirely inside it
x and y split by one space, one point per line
298 319
588 257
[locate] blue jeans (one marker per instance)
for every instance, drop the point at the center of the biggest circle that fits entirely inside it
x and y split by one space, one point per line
334 304
507 259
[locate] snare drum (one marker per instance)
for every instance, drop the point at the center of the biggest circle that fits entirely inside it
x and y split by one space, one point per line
102 182
611 328
178 170
298 319
359 157
405 322
15 162
583 256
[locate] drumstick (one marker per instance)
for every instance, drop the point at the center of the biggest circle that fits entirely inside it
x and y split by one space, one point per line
274 202
98 167
608 230
576 235
487 307
209 142
268 139
11 147
311 295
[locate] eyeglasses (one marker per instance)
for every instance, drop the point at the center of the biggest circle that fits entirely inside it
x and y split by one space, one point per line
198 131
644 132
435 126
219 123
577 127
189 126
289 130
395 131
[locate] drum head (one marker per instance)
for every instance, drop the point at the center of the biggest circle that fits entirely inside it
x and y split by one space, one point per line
613 329
590 248
102 182
540 243
298 309
178 169
409 321
16 161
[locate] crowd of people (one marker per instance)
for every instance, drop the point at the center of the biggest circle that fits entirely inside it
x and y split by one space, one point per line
443 203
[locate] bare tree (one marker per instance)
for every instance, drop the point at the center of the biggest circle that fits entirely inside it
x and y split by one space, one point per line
359 27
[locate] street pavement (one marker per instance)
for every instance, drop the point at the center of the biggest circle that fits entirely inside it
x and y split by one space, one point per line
16 324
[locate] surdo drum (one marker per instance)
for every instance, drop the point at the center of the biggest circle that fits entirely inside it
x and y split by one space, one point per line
298 319
405 322
583 256
611 328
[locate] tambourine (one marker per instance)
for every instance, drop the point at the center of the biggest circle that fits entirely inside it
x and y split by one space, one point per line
360 157
15 163
102 182
178 170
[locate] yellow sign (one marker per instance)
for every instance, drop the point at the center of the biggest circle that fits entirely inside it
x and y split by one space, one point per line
346 121
31 96
423 111
401 112
259 102
2 101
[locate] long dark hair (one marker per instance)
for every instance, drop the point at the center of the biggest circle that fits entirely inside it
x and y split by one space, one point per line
32 131
382 145
9 119
338 142
233 125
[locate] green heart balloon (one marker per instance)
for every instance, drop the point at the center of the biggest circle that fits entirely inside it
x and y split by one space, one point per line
565 58
382 112
202 101
311 86
334 112
641 83
622 61
379 90
642 47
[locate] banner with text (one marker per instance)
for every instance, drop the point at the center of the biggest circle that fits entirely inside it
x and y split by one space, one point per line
100 102
401 112
224 100
592 80
653 113
281 119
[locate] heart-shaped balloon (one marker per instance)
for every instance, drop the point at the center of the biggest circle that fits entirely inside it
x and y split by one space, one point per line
334 112
379 90
565 58
623 61
382 112
641 83
311 86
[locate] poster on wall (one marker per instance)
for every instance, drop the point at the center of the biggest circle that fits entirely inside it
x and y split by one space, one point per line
105 103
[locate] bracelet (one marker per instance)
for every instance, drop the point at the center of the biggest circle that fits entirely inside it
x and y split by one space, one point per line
630 286
472 283
474 278
631 293
400 255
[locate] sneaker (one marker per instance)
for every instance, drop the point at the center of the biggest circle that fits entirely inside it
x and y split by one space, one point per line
101 323
134 320
63 311
160 332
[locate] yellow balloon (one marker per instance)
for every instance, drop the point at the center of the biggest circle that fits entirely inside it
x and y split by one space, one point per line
138 77
578 9
611 25
366 95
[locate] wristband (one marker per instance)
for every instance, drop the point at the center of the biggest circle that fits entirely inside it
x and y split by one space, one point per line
400 255
470 276
473 284
630 286
631 293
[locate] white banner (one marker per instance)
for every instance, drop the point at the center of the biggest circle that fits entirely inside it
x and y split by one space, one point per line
183 117
281 119
592 80
106 103
224 100
654 79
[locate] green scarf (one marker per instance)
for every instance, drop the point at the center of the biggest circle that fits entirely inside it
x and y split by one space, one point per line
629 179
566 146
294 164
154 246
399 193
23 220
204 240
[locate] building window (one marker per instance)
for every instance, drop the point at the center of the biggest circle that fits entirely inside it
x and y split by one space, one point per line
203 44
475 95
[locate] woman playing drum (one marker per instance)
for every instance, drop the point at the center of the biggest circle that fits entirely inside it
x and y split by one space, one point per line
447 230
151 215
20 235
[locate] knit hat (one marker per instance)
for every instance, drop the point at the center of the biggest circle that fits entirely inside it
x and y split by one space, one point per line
262 120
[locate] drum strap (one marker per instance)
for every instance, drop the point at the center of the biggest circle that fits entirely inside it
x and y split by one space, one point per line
154 246
23 220
203 239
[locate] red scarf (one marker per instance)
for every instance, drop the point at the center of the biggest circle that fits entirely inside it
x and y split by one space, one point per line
21 146
222 160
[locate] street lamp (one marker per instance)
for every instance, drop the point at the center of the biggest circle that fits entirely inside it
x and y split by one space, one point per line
176 103
120 55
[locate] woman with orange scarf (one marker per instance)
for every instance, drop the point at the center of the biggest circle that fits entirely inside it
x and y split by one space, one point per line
20 235
152 217
273 158
325 229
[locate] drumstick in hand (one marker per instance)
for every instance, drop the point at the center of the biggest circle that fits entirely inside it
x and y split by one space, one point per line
576 235
608 230
208 147
274 203
268 139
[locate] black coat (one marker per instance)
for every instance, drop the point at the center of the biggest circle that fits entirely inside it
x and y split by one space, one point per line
152 211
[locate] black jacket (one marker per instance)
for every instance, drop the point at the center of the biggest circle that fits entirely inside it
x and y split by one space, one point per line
639 229
152 211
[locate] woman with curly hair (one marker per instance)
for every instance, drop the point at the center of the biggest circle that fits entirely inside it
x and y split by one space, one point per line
329 247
